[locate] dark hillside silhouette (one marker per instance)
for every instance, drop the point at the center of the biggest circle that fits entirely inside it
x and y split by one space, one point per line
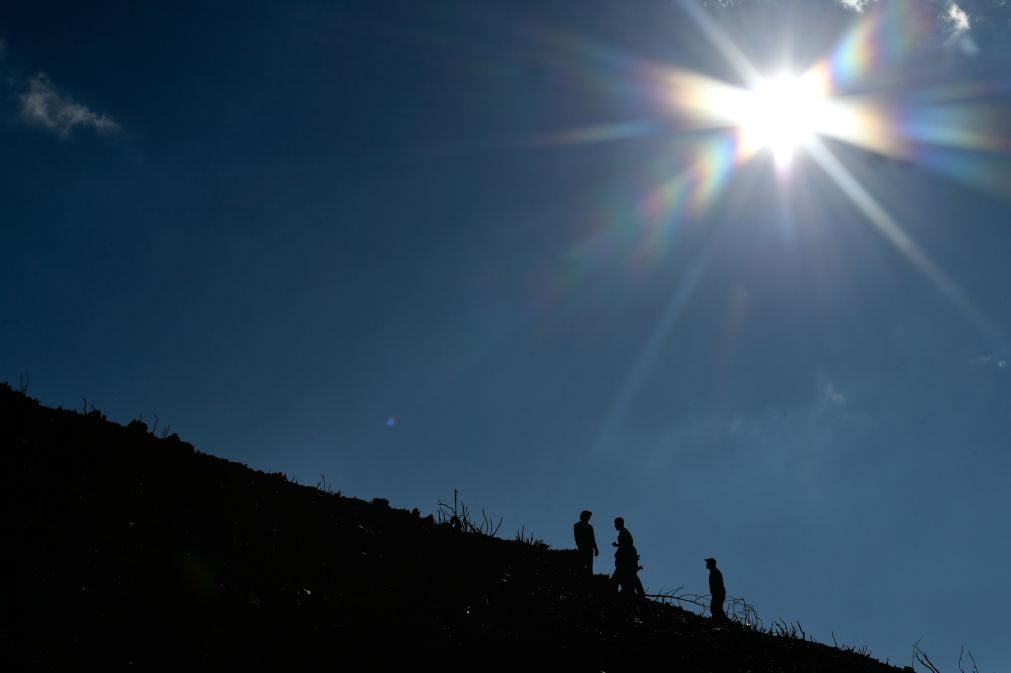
124 549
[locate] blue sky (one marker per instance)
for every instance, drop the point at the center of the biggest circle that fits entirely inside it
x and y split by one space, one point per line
278 227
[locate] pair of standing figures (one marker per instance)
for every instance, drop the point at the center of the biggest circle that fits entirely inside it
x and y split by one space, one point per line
626 563
626 557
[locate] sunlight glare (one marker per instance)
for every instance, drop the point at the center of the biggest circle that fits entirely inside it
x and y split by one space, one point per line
782 114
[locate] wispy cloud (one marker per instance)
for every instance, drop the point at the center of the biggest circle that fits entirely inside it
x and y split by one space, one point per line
43 105
855 5
988 361
956 24
833 395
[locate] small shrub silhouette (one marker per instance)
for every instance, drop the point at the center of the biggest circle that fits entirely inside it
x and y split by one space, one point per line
528 538
457 515
738 610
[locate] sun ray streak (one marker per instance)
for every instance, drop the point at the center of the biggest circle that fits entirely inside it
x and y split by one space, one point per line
701 102
893 232
595 133
647 358
723 44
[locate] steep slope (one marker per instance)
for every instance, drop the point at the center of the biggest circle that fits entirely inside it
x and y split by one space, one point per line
125 549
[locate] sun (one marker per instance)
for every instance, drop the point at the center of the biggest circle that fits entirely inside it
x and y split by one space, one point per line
781 114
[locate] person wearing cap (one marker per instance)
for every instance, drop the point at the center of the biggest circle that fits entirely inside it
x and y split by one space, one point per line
586 542
717 591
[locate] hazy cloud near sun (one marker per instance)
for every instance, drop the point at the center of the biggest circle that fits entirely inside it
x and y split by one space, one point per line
44 105
957 18
951 15
970 26
855 5
956 23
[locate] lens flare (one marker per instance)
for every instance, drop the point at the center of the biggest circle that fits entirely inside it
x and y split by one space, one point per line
860 94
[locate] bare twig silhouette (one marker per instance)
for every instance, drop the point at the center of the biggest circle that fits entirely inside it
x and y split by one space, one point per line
458 516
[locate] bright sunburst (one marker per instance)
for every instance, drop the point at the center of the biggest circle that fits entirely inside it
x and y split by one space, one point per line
782 114
856 95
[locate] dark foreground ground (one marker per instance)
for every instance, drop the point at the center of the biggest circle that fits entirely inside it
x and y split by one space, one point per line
125 550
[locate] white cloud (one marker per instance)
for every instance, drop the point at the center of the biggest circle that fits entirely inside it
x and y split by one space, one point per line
956 22
855 5
957 18
833 395
43 105
988 361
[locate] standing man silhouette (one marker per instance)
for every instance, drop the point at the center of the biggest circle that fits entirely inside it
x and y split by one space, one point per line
586 542
626 562
717 591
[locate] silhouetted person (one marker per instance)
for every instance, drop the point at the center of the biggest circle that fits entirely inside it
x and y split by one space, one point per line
626 562
717 591
586 542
